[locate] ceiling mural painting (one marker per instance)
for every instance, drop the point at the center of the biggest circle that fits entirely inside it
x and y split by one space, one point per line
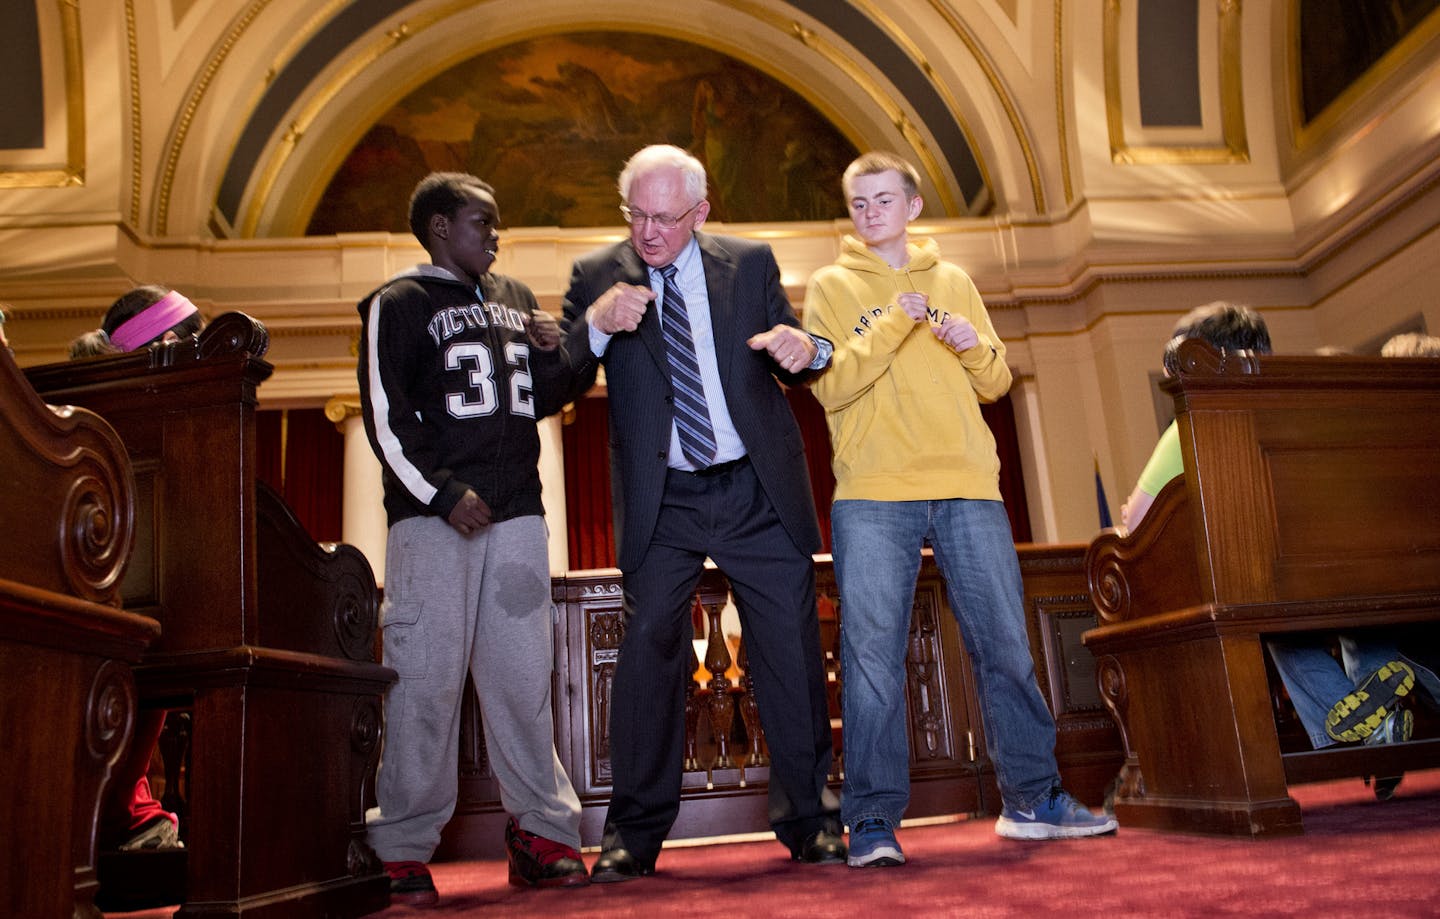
550 121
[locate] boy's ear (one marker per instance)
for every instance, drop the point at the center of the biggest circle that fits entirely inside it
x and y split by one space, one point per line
917 204
439 226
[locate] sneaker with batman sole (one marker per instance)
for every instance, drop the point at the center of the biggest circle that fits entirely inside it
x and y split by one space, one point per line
1360 713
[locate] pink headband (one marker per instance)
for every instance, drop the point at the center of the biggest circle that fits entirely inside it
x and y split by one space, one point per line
152 322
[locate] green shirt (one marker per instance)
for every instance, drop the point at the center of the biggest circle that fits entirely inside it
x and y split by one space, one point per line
1165 462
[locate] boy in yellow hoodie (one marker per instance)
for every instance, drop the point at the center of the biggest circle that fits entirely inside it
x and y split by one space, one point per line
915 355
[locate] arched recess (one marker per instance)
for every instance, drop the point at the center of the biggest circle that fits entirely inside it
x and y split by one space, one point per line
351 69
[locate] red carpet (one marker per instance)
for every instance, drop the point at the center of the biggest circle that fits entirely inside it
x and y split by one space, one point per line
1357 857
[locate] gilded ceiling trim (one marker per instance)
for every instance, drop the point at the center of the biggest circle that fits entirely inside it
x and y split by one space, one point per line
997 86
137 171
353 65
73 172
1234 147
1060 123
929 162
192 105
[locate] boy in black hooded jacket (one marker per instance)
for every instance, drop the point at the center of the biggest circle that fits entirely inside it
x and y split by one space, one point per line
456 367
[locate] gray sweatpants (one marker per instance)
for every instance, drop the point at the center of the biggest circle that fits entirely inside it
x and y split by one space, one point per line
479 603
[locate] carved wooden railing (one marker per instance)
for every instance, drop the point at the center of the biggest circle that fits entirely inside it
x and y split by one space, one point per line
726 761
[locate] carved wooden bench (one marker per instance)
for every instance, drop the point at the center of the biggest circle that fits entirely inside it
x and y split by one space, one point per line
1310 502
67 714
268 638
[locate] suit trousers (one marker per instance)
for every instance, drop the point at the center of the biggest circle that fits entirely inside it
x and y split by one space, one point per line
728 517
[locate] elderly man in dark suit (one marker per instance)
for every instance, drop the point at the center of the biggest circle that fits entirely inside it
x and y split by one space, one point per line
706 460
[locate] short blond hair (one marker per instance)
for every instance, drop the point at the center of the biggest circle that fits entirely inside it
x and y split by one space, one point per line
878 161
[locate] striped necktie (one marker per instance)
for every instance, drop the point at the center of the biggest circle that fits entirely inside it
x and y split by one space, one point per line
692 417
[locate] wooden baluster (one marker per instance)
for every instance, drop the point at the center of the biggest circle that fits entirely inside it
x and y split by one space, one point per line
693 704
828 607
722 707
924 691
750 712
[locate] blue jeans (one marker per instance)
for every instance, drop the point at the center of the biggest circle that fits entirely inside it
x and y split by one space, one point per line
877 560
1315 681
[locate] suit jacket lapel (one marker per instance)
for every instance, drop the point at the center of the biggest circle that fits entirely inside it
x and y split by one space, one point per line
631 270
720 288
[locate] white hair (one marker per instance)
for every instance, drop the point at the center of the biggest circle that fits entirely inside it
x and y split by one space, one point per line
661 156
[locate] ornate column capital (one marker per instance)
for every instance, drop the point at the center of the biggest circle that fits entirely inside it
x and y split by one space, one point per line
342 407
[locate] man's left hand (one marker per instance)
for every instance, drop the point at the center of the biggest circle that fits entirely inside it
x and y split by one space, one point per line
789 347
543 330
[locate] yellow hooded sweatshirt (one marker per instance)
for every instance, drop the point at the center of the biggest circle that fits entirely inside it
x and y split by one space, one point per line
902 406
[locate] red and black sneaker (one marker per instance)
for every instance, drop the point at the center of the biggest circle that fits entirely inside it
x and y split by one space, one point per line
539 862
411 884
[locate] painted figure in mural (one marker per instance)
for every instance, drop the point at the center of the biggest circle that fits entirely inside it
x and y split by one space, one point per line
915 355
457 365
694 332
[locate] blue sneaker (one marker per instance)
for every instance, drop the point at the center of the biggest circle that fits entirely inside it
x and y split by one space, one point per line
1059 816
873 845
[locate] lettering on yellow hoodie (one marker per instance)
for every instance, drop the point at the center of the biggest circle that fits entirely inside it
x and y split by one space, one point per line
902 406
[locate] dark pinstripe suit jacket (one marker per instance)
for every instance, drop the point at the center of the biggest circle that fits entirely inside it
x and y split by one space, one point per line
743 282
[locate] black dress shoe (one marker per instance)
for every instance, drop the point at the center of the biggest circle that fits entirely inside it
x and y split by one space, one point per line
821 848
618 865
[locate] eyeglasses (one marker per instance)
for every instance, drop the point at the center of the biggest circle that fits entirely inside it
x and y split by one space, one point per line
663 221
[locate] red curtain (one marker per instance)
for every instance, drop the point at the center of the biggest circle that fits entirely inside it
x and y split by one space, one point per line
586 440
1001 418
301 454
587 473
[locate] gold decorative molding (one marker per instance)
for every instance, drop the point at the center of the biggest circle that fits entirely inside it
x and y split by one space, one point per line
1060 123
1012 112
913 51
1234 146
341 408
137 169
354 63
192 104
836 57
73 172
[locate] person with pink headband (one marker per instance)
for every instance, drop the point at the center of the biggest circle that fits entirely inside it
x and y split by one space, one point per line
131 818
149 314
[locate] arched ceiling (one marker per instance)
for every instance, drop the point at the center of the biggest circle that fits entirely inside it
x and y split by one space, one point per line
363 56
